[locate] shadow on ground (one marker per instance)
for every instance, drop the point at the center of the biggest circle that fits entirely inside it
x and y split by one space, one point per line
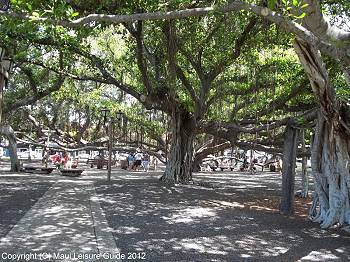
16 198
217 221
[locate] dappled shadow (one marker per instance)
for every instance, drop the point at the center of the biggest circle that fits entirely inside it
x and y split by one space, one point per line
224 216
16 198
58 222
212 223
66 221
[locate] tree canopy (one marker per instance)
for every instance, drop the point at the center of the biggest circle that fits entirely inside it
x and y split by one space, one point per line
204 75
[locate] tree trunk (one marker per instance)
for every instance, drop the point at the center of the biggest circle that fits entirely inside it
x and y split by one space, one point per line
330 149
196 167
330 168
11 137
179 164
288 170
304 175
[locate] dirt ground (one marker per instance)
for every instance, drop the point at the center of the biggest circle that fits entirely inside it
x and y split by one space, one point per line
224 216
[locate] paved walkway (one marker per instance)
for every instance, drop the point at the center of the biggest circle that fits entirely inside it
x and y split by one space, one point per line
229 216
67 222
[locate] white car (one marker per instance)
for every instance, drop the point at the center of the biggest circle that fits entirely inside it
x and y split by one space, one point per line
84 156
23 154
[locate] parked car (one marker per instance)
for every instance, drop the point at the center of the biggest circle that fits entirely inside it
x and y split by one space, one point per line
23 155
83 156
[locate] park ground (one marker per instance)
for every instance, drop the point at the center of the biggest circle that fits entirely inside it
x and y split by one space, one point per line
224 216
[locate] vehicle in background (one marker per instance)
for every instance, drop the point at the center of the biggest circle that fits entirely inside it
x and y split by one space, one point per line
83 156
24 153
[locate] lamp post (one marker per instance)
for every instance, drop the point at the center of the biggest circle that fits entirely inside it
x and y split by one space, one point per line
118 117
105 114
110 147
46 152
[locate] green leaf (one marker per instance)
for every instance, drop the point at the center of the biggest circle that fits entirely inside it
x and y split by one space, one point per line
29 7
301 16
295 2
75 14
271 4
304 6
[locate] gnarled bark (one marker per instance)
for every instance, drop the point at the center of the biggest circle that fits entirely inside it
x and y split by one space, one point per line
330 154
179 165
330 160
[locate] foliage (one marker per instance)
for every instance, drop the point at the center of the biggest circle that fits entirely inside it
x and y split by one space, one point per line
252 85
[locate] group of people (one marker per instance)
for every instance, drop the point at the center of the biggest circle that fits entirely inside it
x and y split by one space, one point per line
60 160
140 160
274 164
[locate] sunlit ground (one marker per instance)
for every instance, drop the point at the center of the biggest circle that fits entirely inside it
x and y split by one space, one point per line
224 216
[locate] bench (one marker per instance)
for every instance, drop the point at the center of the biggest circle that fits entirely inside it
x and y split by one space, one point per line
95 161
71 172
37 170
226 167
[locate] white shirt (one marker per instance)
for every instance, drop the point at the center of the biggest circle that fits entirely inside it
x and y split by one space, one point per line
138 156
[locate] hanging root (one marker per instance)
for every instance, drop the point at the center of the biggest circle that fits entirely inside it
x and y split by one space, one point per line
335 212
314 214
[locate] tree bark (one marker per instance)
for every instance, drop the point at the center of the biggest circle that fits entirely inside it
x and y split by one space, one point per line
2 84
179 164
330 153
288 170
11 137
330 159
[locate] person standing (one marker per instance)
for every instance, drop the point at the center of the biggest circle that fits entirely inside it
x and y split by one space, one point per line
66 160
145 162
46 157
130 161
138 160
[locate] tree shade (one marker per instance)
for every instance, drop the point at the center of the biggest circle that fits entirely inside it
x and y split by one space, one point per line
225 75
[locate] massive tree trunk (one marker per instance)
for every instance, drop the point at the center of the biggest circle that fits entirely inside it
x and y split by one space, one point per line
330 168
11 137
179 165
330 149
288 170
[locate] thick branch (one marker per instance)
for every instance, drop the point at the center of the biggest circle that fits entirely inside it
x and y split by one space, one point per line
29 100
289 26
321 27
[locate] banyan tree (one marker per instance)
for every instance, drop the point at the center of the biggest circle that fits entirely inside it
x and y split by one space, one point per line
177 61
